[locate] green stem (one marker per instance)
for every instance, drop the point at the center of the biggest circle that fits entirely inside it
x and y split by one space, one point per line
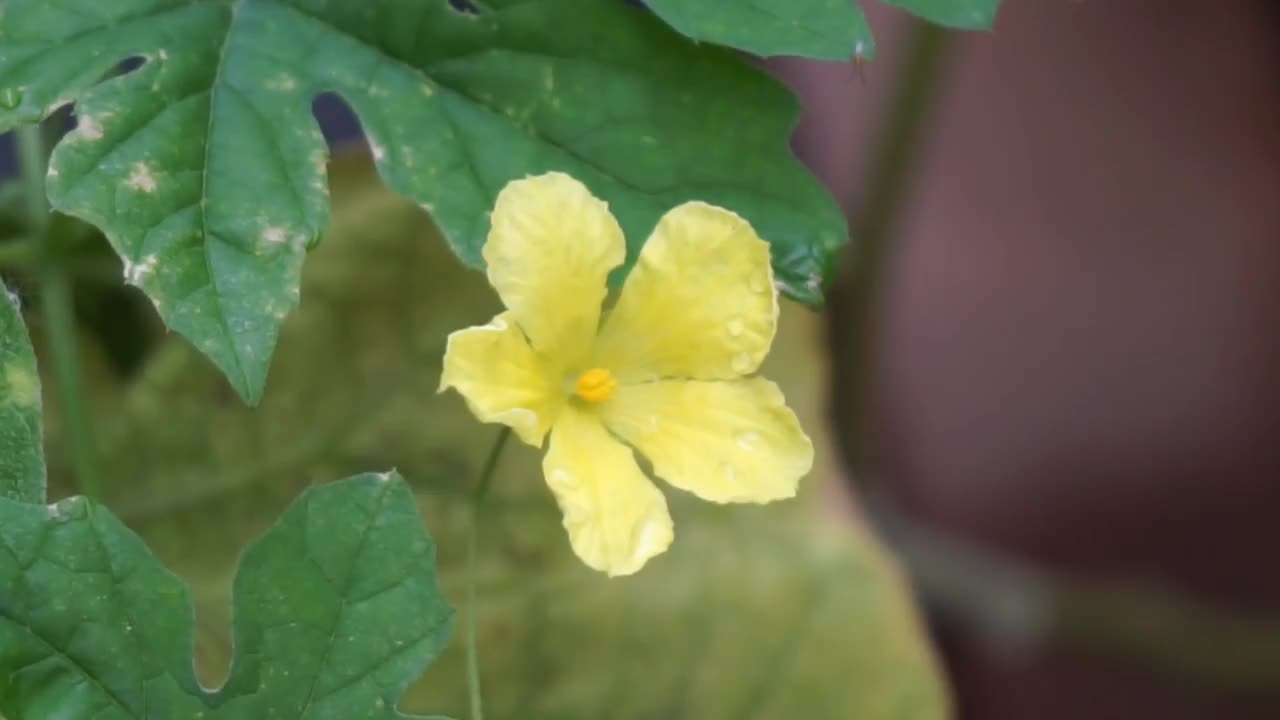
887 187
57 302
473 551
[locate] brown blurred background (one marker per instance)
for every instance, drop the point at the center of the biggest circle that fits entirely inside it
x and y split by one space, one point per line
1072 398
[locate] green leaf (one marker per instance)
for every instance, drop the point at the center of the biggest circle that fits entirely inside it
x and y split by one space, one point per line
337 608
21 440
336 612
962 14
820 29
206 171
782 609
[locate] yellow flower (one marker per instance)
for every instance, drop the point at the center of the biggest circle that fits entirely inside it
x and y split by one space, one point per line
667 373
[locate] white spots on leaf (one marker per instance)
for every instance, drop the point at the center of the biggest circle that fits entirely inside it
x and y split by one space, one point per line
282 82
428 90
648 140
780 286
429 208
24 388
377 150
136 272
859 49
141 178
61 510
88 128
549 78
162 54
319 161
272 235
814 282
747 440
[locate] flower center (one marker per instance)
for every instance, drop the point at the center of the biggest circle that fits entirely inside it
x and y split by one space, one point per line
595 385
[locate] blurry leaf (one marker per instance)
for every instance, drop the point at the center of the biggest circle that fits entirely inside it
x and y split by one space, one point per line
21 440
962 14
821 29
205 169
784 611
336 613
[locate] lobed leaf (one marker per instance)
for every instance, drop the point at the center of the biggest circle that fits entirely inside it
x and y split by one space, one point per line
337 611
22 470
206 171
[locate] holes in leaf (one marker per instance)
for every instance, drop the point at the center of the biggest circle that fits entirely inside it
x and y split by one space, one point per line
130 64
337 121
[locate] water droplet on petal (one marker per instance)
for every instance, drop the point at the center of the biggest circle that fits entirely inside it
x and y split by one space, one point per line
735 327
741 363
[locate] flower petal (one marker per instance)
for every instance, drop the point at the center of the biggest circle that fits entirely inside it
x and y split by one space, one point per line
616 517
699 304
550 249
502 379
734 441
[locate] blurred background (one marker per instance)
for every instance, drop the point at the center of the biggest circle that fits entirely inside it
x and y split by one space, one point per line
1054 345
1057 345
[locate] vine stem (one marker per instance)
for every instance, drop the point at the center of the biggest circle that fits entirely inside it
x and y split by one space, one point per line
56 301
473 551
853 300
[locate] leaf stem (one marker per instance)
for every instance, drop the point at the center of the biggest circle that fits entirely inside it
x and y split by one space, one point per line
56 301
473 548
887 188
